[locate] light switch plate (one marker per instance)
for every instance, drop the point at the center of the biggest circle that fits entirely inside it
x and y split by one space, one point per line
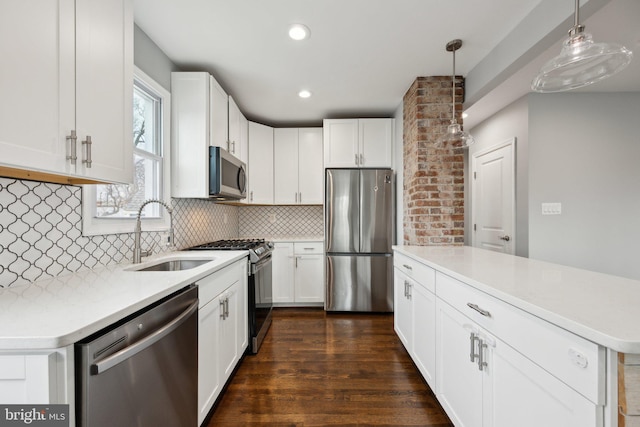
551 208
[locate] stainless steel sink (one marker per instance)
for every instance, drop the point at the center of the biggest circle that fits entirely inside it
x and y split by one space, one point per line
175 265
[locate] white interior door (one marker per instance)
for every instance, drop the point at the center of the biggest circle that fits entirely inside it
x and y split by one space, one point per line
493 195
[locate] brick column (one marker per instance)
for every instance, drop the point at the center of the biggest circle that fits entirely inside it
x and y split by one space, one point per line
433 177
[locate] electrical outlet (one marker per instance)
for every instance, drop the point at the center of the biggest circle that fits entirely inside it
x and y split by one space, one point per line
551 208
272 218
165 238
225 218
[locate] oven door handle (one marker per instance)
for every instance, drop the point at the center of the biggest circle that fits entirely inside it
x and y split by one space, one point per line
137 347
260 264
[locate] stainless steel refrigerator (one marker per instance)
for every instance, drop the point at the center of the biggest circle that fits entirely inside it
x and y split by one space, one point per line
359 232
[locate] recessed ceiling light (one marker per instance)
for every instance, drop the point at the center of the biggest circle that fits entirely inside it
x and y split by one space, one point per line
299 32
304 94
465 115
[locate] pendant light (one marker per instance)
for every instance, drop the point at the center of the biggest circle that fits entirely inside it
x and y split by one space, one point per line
581 61
455 136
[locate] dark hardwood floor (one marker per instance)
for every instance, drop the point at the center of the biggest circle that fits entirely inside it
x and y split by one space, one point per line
317 369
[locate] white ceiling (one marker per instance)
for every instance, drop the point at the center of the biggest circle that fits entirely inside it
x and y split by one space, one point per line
363 55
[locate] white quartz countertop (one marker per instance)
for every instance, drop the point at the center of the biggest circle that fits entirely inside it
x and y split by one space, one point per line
57 312
599 307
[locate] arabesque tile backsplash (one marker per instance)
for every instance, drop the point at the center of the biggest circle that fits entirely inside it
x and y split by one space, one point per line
281 222
41 229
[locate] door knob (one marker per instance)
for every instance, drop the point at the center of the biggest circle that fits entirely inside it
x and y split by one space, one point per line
505 238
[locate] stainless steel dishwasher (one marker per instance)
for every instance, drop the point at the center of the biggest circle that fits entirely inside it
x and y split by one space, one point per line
142 371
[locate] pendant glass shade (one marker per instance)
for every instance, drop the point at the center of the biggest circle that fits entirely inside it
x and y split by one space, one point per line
581 62
455 137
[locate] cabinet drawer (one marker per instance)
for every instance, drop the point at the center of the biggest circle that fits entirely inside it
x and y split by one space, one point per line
212 285
577 362
419 272
301 248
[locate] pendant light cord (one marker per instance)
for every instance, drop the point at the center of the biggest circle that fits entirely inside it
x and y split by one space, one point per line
453 90
577 27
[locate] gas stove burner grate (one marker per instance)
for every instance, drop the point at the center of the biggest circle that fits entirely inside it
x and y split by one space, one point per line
232 244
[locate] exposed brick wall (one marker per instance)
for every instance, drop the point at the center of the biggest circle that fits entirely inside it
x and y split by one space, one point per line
433 177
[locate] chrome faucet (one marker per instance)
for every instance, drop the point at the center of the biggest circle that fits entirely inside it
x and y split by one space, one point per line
138 253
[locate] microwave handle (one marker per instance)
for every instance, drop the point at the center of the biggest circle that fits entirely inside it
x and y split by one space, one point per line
242 180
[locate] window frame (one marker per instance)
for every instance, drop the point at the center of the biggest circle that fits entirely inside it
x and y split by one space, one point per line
91 225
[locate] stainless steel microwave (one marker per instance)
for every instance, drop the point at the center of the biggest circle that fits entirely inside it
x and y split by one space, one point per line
227 175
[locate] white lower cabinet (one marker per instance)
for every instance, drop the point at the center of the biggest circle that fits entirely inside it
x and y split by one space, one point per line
414 322
491 364
222 330
482 381
298 273
458 379
37 376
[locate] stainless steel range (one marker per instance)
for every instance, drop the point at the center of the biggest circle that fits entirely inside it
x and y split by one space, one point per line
260 291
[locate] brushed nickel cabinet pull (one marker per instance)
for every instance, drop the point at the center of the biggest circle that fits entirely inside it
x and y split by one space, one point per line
475 307
73 138
87 144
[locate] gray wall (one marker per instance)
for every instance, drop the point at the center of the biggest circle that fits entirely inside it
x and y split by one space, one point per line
510 122
584 152
149 58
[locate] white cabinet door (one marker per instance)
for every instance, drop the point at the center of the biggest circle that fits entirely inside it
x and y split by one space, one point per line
241 311
235 132
219 115
309 278
340 143
37 88
402 309
285 163
310 166
423 336
519 392
190 123
228 345
260 164
375 138
72 71
458 379
209 378
283 272
104 88
244 138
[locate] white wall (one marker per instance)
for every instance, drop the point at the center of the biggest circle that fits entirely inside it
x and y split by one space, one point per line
510 122
584 152
398 166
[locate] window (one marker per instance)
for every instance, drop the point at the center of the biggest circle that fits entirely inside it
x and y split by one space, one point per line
112 208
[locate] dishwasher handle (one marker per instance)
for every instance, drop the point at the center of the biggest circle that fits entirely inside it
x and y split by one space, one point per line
149 340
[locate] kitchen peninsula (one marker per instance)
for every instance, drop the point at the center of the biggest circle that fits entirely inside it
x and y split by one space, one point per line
489 330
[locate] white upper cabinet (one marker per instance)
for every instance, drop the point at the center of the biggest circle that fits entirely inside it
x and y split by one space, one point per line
70 74
260 189
340 143
375 141
285 162
219 113
198 121
237 132
310 166
298 167
358 143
